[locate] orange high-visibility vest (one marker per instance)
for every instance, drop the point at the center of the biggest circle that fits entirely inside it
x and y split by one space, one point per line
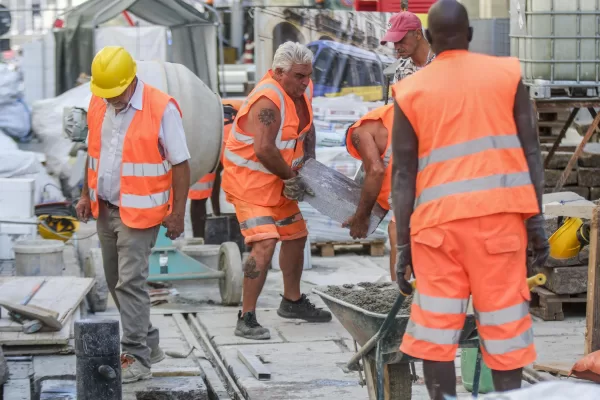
146 179
244 176
471 163
386 115
203 188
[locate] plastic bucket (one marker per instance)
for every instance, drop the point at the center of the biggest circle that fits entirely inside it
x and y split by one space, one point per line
468 358
39 257
207 254
307 256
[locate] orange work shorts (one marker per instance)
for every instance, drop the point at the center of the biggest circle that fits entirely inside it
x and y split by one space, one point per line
484 257
283 221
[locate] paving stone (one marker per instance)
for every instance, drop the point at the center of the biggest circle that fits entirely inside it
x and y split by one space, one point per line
567 280
595 192
559 160
551 177
3 368
590 156
17 389
580 190
20 369
58 390
588 177
52 368
173 389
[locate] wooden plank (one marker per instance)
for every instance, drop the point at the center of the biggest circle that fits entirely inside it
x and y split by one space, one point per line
257 368
10 351
37 339
592 334
557 368
48 317
7 324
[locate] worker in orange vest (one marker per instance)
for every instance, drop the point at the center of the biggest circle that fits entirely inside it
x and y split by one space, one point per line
468 184
271 136
209 185
137 178
370 140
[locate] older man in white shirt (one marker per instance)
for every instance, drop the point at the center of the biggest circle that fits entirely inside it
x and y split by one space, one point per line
137 179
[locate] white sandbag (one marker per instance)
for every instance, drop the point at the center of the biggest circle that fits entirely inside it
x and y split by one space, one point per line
15 119
550 390
11 87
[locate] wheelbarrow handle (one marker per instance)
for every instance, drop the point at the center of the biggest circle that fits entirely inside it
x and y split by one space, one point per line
383 330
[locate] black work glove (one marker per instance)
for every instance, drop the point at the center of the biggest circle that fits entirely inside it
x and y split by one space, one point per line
536 236
403 260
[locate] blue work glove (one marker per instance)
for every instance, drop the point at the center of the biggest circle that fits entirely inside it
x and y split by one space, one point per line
403 260
536 236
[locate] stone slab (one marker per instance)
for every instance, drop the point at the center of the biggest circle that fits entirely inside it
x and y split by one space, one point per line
59 390
18 389
551 177
588 177
222 324
20 369
4 371
355 271
567 280
580 190
173 389
595 192
590 156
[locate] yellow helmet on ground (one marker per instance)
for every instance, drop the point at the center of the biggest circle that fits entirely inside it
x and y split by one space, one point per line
113 69
565 243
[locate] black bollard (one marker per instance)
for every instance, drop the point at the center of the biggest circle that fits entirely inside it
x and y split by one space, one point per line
98 349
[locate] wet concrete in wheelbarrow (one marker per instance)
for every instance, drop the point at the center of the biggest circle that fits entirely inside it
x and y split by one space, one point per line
376 297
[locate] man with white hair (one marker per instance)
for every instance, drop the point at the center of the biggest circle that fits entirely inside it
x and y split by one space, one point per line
272 135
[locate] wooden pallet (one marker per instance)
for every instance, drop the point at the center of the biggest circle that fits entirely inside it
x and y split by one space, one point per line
549 306
374 248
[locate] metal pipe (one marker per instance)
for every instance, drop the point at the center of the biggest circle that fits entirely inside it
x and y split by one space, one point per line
183 277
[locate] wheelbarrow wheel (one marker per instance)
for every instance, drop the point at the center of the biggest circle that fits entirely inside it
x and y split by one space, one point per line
397 380
230 262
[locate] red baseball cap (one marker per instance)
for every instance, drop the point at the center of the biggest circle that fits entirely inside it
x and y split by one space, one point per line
399 25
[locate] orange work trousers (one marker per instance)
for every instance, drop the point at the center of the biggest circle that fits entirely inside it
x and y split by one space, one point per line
484 257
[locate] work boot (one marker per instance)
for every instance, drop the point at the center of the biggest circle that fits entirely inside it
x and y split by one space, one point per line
302 309
249 328
132 370
157 355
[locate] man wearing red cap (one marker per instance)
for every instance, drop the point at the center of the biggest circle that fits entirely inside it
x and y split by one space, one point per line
406 32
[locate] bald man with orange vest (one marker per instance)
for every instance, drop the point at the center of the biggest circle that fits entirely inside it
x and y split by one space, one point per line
209 186
468 183
271 136
136 180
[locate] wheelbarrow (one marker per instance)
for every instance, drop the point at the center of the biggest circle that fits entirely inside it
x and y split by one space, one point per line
387 370
167 263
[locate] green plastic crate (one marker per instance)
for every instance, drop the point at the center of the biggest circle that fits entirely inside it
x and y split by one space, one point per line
468 357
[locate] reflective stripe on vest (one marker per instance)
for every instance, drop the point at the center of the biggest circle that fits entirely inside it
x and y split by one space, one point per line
145 169
441 305
147 201
202 186
432 335
504 346
93 163
260 221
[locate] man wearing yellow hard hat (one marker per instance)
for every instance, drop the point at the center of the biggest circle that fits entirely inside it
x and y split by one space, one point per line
137 178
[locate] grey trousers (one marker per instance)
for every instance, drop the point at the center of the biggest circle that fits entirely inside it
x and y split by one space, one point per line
125 254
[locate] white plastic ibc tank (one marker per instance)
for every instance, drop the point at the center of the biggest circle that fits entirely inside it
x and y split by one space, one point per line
201 108
556 40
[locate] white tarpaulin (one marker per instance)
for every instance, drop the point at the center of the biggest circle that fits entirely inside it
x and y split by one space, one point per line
144 43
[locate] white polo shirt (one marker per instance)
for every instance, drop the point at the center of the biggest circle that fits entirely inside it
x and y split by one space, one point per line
171 142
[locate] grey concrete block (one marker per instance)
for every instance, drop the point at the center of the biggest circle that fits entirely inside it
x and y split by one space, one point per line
559 160
52 368
567 280
595 192
580 190
590 156
336 195
547 146
588 177
580 259
551 177
173 388
20 369
3 368
18 389
59 390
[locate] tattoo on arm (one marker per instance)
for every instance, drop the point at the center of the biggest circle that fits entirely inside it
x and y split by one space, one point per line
250 270
355 139
266 116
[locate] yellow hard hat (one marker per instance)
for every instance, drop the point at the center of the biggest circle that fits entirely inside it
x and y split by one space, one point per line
57 227
564 243
113 69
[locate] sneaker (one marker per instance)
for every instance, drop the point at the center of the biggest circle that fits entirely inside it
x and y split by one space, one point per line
157 355
249 328
302 309
132 370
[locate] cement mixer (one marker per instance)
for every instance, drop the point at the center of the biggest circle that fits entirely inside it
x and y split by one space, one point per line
203 124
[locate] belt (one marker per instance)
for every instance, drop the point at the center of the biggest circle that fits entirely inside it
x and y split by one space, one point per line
108 204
